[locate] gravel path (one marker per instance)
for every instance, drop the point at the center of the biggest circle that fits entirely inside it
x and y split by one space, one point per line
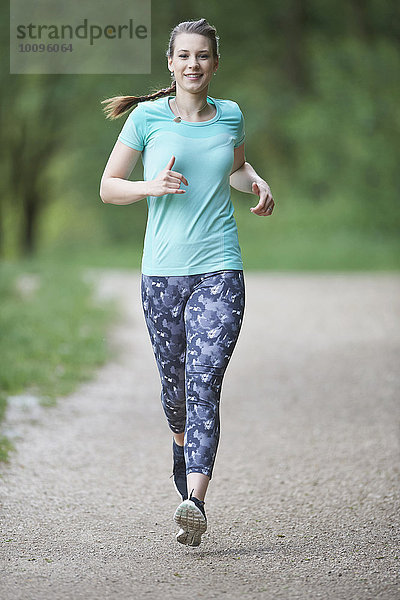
304 502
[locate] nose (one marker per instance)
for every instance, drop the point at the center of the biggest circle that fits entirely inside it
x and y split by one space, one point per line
193 62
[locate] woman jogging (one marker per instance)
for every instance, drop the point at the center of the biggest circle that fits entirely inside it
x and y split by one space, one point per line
192 286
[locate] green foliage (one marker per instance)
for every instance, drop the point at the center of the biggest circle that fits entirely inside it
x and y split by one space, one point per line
345 140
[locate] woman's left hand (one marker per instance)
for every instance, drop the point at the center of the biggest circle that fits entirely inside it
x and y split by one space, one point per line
266 202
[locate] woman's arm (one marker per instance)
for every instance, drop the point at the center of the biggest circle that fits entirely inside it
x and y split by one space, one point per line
116 189
244 178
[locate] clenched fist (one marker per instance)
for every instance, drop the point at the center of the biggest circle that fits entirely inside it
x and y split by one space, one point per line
167 181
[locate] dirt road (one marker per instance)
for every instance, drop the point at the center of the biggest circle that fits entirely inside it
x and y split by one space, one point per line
304 502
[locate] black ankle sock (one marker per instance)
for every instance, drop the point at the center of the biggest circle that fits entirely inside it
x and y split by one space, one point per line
198 503
178 450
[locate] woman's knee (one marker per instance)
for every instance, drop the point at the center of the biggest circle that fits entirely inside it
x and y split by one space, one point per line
203 388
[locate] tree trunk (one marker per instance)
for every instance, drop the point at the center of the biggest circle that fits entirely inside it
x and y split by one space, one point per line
293 24
30 204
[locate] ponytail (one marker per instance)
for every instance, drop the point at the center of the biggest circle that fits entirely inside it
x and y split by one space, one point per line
119 105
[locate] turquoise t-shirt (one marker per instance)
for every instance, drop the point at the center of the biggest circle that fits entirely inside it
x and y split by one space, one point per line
195 232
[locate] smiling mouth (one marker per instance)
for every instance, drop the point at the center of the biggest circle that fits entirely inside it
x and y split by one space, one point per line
193 76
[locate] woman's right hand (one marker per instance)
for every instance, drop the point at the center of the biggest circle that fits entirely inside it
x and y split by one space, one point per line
167 181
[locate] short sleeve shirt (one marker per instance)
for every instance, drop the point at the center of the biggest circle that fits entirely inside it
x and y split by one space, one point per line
195 232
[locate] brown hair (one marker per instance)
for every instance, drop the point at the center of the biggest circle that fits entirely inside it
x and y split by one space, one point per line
117 106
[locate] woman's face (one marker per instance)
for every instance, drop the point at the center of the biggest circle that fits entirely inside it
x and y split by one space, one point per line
193 62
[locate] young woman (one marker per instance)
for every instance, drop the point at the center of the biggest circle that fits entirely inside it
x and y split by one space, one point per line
192 148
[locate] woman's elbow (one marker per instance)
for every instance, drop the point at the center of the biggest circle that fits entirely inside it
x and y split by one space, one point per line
103 192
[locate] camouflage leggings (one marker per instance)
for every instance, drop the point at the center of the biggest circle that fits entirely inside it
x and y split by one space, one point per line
194 322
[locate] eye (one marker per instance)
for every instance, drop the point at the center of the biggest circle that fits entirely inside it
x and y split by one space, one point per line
182 55
204 56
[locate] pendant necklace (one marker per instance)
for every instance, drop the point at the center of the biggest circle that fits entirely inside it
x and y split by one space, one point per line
178 119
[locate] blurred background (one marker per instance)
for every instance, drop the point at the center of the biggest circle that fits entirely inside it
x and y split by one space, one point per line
318 84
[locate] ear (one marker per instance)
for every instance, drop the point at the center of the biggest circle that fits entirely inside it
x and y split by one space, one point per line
169 63
216 64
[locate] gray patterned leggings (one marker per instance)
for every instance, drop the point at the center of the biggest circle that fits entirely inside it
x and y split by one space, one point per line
194 322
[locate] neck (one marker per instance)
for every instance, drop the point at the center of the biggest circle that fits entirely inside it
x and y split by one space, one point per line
190 103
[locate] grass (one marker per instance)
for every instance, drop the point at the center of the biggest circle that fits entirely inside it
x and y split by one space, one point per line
302 234
267 246
53 333
307 236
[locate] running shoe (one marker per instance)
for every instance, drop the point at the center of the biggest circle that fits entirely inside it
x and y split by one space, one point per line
179 470
191 518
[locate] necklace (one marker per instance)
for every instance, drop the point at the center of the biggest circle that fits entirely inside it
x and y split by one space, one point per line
178 119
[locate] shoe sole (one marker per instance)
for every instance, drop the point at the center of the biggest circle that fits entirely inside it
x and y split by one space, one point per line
187 538
192 523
